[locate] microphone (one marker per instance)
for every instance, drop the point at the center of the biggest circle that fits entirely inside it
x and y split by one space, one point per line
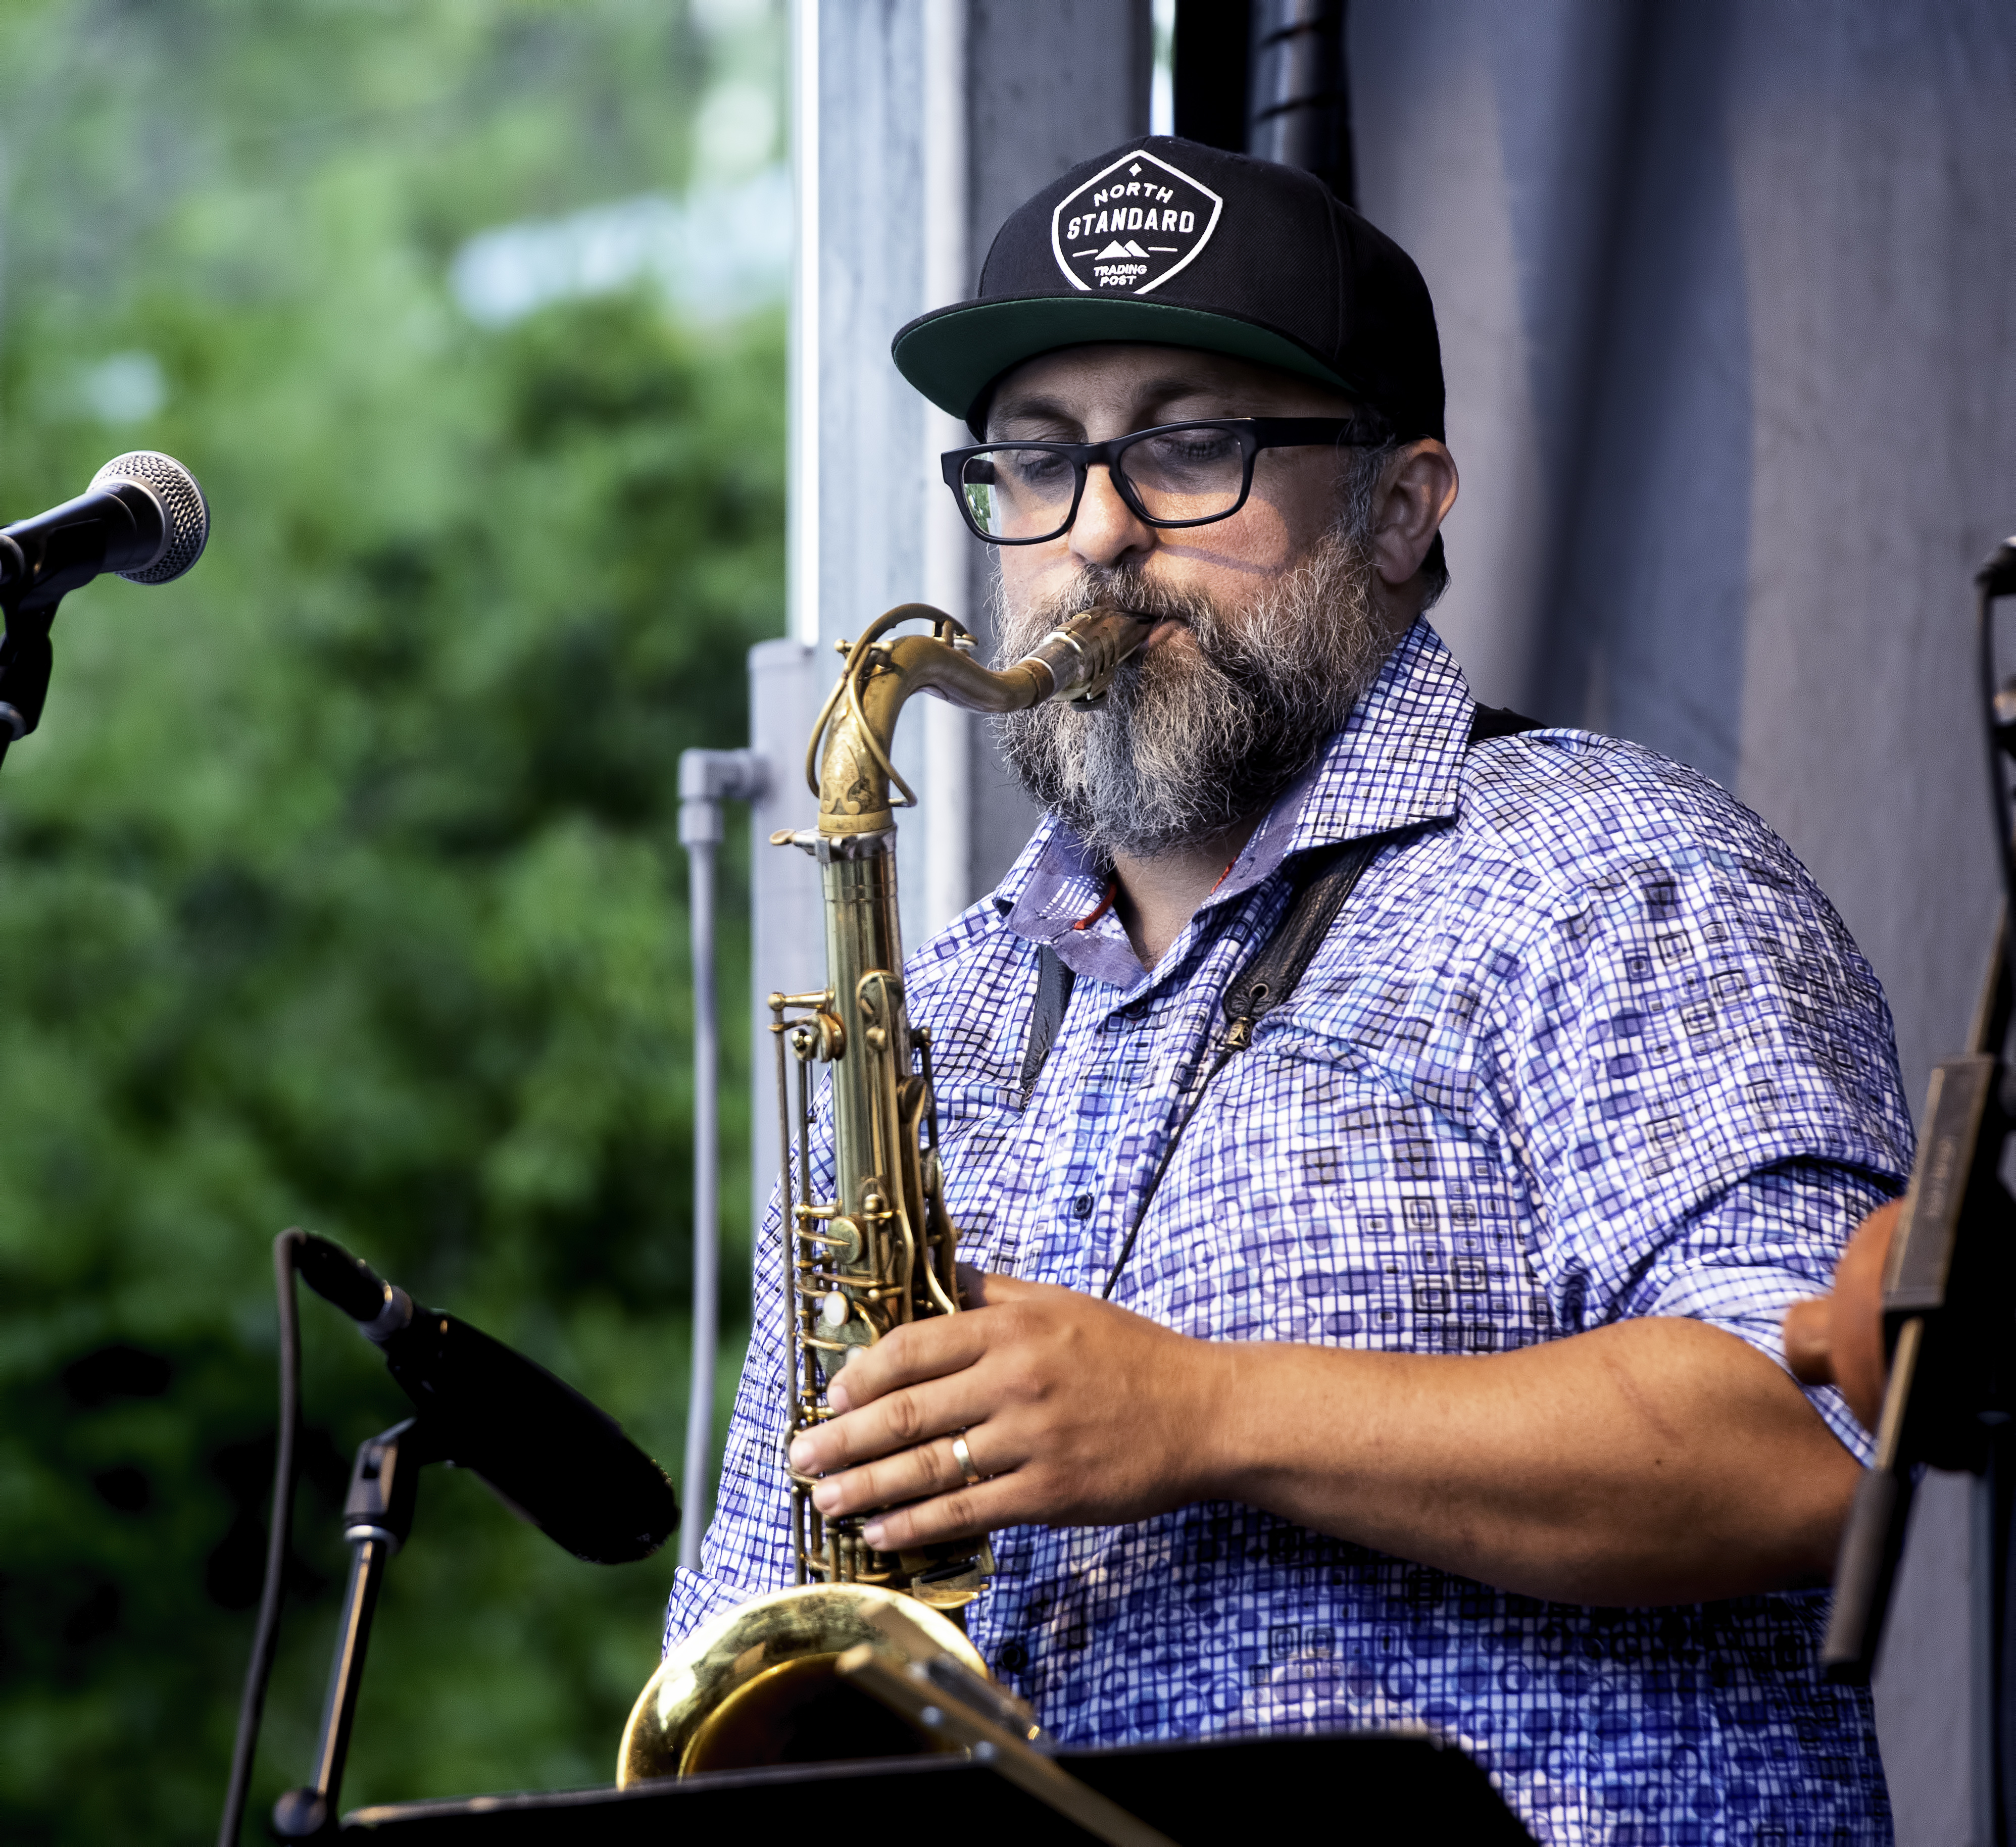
557 1461
143 516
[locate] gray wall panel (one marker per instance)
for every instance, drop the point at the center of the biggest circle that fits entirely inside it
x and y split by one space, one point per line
1875 147
1726 311
1645 632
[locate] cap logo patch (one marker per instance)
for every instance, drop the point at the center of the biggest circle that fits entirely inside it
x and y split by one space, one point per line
1130 228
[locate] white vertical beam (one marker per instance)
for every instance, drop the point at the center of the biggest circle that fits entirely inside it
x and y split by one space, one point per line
946 794
873 95
801 517
1162 82
787 679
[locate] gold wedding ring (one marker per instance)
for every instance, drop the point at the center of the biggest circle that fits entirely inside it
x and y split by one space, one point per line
963 1457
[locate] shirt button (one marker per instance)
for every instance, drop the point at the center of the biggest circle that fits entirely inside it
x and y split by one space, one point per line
1082 1205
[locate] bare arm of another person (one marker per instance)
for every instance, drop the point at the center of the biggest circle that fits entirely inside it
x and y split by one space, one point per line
1837 1339
1654 1461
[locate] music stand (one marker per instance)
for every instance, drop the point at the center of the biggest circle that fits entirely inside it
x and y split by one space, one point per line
1349 1786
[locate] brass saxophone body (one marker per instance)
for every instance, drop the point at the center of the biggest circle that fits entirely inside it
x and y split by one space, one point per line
762 1684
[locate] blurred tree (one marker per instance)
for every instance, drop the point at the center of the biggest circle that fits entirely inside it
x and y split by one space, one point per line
341 886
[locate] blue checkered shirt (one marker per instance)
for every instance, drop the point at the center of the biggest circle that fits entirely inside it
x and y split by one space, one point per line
1586 1043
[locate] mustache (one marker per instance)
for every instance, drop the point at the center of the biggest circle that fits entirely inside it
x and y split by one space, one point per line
1190 739
1113 587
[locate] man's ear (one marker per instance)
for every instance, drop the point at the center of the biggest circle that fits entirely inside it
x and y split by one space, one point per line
1417 489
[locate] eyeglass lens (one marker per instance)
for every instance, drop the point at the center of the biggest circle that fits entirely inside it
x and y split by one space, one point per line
1191 472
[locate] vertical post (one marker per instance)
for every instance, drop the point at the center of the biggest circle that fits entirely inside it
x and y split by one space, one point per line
699 833
801 511
1298 110
948 731
377 1517
787 943
1214 46
1270 78
707 779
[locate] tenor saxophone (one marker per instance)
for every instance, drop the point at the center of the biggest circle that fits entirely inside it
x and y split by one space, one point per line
762 1684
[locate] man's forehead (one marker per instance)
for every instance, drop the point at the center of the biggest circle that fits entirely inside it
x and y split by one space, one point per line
1115 375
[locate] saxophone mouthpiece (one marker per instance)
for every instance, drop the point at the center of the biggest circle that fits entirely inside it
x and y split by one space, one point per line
1081 656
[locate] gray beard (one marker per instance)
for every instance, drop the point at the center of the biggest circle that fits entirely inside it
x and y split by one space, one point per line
1194 738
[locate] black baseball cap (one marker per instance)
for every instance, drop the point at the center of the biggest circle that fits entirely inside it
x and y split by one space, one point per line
1174 243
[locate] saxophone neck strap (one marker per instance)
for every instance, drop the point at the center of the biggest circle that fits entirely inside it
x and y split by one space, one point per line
1054 991
1322 880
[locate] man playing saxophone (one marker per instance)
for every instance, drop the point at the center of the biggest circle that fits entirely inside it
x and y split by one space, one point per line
1416 1360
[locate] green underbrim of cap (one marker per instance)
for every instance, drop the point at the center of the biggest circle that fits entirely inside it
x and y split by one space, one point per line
953 355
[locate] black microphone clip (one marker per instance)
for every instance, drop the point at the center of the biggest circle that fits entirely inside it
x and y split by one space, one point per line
557 1461
1997 574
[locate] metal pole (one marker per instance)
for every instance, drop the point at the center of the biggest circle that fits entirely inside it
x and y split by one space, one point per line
694 817
947 548
801 510
1298 108
707 779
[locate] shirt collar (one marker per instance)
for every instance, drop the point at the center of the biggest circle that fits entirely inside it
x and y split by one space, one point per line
1396 764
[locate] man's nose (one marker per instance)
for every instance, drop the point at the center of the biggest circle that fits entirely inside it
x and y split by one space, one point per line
1107 529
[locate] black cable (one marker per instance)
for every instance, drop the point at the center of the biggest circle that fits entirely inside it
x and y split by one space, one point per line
279 1531
1998 782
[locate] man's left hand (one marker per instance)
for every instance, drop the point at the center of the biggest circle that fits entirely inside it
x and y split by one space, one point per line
1074 1413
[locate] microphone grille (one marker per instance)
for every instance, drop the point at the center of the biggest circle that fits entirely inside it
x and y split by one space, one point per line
187 511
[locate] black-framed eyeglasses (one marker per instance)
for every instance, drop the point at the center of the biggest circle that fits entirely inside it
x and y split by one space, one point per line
1176 474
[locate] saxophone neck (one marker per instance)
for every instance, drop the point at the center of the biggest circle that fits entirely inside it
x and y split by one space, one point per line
851 743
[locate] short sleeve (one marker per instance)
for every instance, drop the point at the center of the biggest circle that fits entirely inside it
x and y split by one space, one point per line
1740 1262
1705 1078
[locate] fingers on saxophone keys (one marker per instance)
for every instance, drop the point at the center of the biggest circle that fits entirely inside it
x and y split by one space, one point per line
889 1425
961 1515
911 1475
912 1355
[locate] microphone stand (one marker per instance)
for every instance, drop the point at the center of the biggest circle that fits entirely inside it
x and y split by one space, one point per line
377 1520
553 1457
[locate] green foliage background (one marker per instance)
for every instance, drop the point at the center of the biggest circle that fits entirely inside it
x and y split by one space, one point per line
341 885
